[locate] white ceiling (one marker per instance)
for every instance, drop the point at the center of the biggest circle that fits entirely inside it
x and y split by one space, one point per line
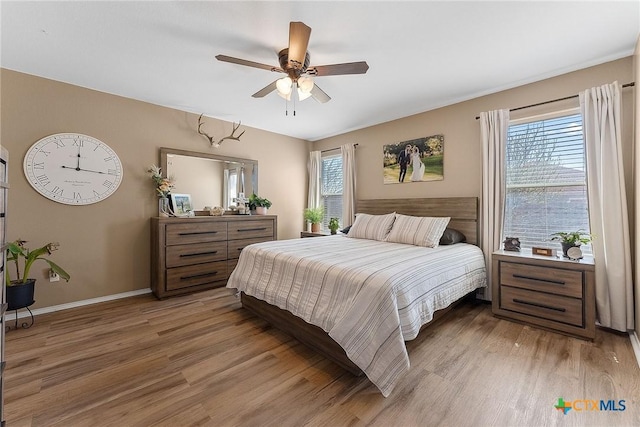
422 55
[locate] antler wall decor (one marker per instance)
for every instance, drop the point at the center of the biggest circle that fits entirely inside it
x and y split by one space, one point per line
214 143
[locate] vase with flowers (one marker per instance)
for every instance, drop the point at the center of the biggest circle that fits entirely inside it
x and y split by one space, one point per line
163 188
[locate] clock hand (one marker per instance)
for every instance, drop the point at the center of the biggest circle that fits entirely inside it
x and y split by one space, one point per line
89 170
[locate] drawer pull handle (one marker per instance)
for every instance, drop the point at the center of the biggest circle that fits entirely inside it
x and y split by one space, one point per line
253 229
537 304
195 276
537 279
197 232
198 254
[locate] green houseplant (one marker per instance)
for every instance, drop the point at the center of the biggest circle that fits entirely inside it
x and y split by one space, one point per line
259 204
334 224
315 217
20 290
571 238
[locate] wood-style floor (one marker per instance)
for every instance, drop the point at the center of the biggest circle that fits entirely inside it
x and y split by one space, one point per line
203 360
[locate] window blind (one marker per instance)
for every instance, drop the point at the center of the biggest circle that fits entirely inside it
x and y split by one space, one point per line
331 189
546 189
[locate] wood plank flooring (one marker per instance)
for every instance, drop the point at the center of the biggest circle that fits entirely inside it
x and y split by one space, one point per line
203 360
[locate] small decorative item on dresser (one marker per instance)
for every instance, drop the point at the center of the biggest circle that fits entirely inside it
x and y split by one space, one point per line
216 211
163 188
259 204
512 244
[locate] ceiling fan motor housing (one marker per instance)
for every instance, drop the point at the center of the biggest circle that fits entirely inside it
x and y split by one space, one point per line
293 69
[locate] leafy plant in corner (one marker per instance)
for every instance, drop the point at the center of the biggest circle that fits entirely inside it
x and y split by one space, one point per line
17 251
257 201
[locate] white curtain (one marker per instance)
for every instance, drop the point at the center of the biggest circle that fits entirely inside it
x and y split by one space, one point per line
348 183
315 168
493 130
601 115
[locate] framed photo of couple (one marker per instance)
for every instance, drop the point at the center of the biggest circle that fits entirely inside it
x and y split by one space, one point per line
416 160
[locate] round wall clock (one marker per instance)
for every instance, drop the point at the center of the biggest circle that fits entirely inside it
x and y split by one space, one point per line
73 169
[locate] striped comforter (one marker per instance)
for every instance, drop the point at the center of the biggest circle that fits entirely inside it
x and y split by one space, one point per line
369 296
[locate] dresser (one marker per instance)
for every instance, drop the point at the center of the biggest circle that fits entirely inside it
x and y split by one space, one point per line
198 253
4 172
548 292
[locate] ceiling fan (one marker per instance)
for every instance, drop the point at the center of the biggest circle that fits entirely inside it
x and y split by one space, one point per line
294 62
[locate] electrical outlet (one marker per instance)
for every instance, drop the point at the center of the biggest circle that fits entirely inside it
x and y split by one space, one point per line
53 276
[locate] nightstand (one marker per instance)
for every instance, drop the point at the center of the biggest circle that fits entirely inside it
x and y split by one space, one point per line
312 234
548 292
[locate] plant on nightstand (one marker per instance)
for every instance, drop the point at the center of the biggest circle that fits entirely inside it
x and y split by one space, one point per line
571 239
315 217
334 224
20 291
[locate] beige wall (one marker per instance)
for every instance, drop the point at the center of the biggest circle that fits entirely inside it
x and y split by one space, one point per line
105 246
636 155
462 155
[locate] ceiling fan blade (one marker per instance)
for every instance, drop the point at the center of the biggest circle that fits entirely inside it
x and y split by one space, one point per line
265 91
339 69
298 43
225 58
319 95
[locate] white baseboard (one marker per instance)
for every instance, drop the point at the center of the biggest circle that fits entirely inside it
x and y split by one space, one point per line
635 343
75 304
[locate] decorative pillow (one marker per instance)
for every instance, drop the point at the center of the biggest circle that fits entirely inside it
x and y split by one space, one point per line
452 236
372 227
419 231
346 229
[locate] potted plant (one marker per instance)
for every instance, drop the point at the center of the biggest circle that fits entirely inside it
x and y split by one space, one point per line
571 239
315 217
259 204
20 290
334 224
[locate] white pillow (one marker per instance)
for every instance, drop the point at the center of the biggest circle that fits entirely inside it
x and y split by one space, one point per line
419 231
372 227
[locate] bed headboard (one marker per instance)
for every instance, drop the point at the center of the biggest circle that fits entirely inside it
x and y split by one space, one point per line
463 211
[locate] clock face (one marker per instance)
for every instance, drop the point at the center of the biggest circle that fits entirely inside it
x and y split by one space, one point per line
73 169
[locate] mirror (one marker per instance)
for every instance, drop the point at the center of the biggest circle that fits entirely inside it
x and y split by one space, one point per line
211 180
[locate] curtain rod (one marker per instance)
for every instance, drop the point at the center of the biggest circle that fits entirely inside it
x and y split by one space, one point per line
557 100
337 148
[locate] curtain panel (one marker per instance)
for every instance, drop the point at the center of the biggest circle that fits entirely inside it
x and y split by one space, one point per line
494 126
601 109
348 152
314 166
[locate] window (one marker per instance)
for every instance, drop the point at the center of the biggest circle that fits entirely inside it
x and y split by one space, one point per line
331 189
546 188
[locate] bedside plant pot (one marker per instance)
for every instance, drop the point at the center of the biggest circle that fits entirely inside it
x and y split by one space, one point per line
20 295
261 210
566 246
315 228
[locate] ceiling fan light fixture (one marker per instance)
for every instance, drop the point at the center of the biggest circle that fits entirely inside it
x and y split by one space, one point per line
284 87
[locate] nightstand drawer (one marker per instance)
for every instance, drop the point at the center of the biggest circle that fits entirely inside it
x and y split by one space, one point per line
545 306
544 279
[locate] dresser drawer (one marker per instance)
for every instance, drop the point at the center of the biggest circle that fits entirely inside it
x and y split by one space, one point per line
196 232
545 279
196 253
196 275
545 306
250 229
236 246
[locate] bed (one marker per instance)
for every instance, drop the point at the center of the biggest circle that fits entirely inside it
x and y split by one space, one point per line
357 300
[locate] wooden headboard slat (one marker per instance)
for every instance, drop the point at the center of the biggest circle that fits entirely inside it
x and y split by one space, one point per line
464 211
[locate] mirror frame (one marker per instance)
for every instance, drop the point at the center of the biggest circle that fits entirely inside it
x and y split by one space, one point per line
165 151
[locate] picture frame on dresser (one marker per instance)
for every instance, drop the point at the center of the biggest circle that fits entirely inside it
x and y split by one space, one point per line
181 204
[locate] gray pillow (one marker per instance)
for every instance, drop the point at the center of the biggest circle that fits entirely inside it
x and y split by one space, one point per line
451 236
